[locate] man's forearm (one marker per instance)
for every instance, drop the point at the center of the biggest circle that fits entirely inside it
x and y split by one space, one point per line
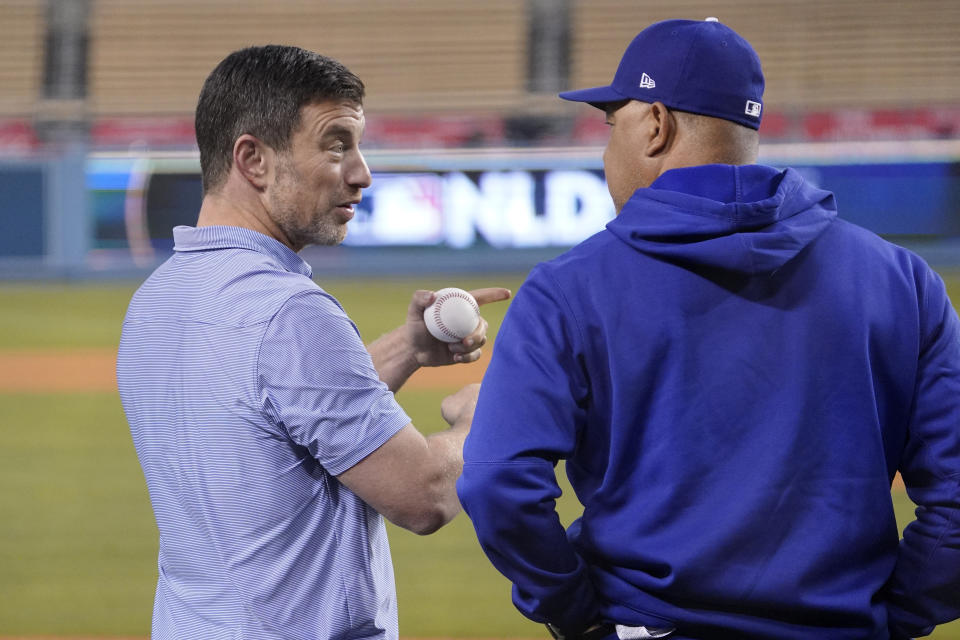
447 451
393 358
511 505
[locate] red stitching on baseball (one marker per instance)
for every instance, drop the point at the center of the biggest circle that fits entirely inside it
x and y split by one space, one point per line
436 311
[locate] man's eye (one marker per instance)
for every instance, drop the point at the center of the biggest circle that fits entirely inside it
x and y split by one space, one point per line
339 147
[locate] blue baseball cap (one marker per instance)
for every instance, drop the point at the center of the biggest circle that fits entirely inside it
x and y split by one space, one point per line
702 67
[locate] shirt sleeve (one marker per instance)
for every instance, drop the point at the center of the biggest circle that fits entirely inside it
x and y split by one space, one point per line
319 384
528 417
924 589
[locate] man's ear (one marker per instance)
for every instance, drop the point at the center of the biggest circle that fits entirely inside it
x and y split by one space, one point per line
254 160
664 128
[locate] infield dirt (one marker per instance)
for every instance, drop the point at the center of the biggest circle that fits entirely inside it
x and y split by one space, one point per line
93 370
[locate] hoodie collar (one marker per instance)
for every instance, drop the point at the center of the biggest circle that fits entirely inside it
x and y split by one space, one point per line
750 218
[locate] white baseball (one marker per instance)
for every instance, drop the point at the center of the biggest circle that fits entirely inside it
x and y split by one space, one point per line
453 315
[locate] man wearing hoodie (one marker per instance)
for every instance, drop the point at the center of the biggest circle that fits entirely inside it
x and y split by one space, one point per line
733 375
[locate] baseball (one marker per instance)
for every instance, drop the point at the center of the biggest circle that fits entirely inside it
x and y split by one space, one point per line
453 315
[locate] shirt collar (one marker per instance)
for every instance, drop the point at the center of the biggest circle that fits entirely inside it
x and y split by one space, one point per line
222 237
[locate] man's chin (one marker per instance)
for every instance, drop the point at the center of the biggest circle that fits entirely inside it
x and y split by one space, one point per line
329 237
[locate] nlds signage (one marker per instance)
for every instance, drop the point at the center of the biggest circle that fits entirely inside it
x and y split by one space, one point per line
503 209
135 202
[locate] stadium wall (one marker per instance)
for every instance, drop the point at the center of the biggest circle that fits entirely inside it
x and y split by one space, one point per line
445 210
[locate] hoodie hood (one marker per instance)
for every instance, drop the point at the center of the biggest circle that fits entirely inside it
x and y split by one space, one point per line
748 219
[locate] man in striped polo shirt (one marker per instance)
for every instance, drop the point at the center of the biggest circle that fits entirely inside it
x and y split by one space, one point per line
269 436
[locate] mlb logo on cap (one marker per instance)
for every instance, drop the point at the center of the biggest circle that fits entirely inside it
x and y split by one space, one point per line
702 67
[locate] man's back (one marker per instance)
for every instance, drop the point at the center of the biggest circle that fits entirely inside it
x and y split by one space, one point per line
733 388
256 536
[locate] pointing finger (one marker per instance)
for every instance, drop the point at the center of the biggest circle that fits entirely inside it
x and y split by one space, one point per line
490 294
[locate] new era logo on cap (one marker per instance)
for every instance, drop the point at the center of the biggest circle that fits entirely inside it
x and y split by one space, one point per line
646 82
753 109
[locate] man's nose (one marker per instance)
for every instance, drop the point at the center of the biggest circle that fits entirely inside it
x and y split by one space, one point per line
359 175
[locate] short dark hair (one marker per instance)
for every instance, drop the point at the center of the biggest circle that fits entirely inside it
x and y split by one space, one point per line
260 91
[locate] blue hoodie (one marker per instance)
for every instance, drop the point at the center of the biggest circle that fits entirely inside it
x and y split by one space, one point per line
733 376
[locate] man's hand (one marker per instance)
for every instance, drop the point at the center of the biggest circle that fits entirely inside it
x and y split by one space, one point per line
398 354
427 351
457 409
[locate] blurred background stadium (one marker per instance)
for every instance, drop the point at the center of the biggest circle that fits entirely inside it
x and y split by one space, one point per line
479 172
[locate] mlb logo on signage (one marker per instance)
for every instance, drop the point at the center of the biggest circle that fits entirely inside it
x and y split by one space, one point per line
753 109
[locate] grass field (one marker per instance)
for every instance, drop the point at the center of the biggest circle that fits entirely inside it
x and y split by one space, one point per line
77 538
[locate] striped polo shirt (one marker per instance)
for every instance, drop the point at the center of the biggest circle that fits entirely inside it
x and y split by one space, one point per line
248 389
